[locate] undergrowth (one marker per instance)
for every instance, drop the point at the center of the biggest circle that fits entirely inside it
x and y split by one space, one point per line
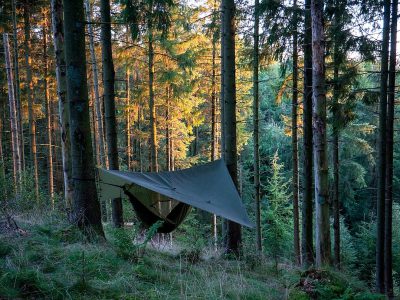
55 261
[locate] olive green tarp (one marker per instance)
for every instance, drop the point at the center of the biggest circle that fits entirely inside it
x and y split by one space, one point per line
168 196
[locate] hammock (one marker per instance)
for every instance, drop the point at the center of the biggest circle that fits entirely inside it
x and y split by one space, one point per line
168 196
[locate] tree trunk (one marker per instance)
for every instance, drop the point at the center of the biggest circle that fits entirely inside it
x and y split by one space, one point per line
307 207
139 128
109 102
335 156
295 150
128 120
13 114
233 230
167 131
214 138
17 85
381 189
63 107
48 115
256 126
29 83
86 210
153 117
98 101
389 157
322 235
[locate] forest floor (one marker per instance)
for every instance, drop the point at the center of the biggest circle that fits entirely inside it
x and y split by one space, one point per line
51 259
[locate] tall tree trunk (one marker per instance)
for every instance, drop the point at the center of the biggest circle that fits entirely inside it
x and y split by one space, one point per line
17 85
307 207
13 114
86 210
295 150
389 157
336 168
214 138
153 116
128 119
109 102
63 107
233 230
335 148
98 101
29 83
48 114
167 130
256 126
322 232
381 189
139 139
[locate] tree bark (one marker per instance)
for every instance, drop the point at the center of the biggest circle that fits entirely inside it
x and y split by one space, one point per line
381 189
13 114
17 85
86 210
256 126
63 107
307 207
295 150
98 101
389 157
335 156
128 119
322 232
233 230
214 138
167 130
48 114
29 83
153 116
109 102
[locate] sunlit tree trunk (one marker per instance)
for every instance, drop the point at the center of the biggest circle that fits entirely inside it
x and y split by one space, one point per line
214 137
86 209
139 138
295 149
48 113
153 116
29 84
13 113
128 119
98 103
17 85
322 232
389 157
307 206
256 126
381 164
167 130
63 107
233 230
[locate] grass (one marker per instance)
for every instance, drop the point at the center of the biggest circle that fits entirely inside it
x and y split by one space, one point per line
54 261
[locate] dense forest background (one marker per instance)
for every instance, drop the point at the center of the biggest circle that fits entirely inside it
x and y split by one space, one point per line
298 97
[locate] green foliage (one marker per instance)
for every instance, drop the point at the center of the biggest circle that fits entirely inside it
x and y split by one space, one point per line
277 221
124 241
